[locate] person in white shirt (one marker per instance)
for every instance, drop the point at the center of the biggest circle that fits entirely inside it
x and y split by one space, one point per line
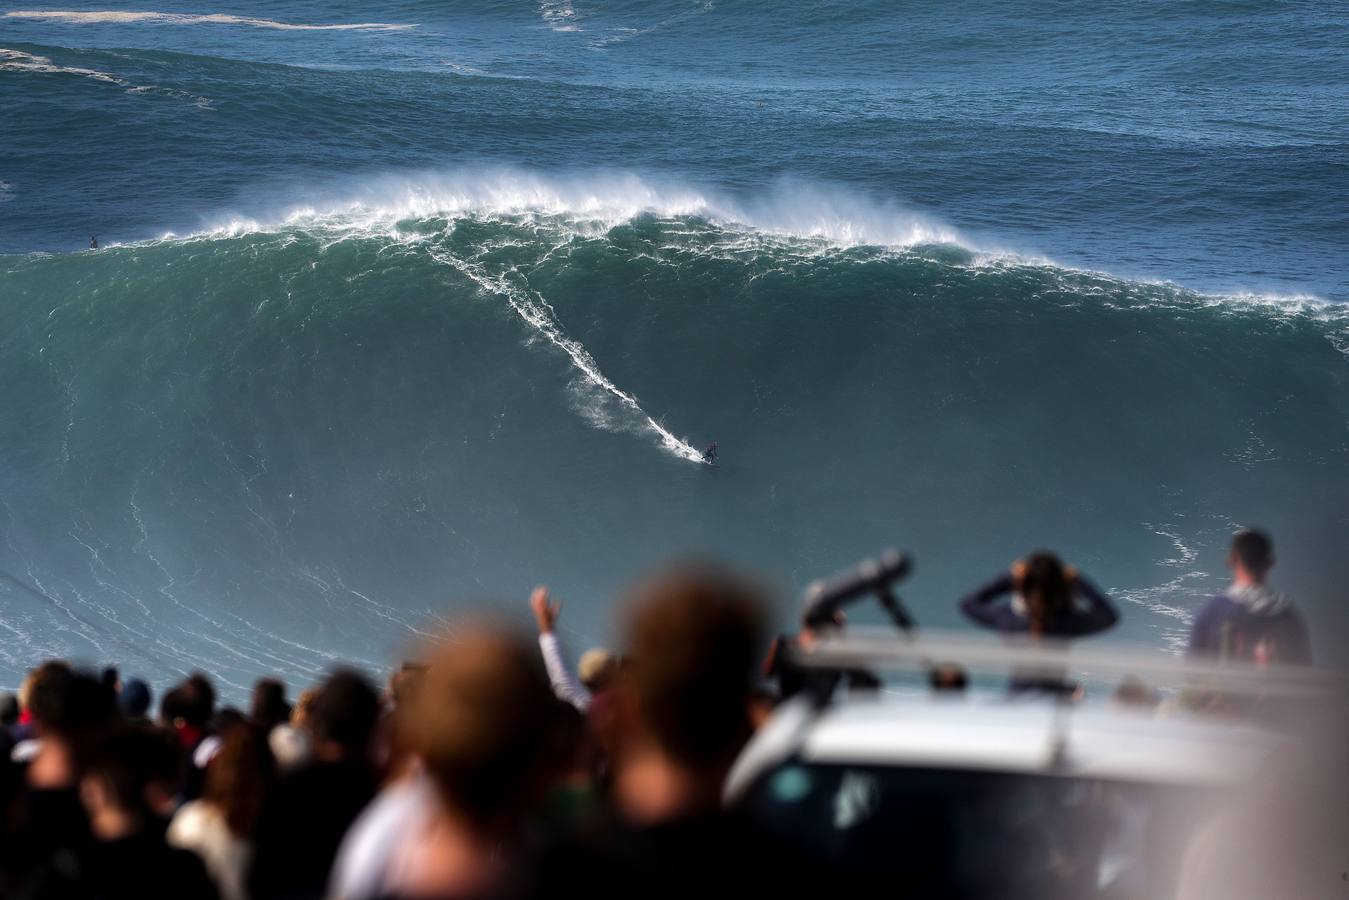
596 668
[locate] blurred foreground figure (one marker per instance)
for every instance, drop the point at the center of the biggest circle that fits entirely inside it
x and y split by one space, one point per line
479 724
308 810
1249 621
1287 836
219 826
682 701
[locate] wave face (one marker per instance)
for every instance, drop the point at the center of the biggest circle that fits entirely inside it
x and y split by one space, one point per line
263 447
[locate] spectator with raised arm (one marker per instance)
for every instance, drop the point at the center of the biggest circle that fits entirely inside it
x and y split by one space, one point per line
596 667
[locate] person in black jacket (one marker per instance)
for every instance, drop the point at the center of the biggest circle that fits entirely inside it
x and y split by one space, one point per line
1047 599
308 810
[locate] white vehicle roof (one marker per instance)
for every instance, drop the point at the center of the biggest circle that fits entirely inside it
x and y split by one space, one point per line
1020 734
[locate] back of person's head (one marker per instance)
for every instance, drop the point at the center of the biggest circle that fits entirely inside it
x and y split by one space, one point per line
343 715
9 709
269 707
1046 589
227 717
201 698
239 775
134 698
693 637
479 723
66 703
121 767
190 702
112 681
1253 550
597 668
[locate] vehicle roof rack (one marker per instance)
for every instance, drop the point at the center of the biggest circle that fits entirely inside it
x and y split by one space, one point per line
884 650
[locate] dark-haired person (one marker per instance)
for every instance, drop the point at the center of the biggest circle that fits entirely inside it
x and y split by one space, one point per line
1248 621
44 833
129 857
310 808
270 707
683 704
1041 597
1044 598
219 826
134 700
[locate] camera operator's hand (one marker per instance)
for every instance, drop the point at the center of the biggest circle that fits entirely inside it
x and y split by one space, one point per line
1018 573
545 612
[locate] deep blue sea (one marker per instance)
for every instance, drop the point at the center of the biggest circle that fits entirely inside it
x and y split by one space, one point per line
402 308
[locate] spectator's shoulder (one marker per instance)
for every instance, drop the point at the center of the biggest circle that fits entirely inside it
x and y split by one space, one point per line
1214 607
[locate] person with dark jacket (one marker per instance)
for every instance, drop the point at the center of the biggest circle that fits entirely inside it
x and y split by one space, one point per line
1047 599
1248 621
309 809
129 858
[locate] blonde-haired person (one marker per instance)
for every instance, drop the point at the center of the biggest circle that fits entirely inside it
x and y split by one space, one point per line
596 668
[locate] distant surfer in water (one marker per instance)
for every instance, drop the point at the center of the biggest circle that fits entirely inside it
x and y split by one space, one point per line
93 243
710 454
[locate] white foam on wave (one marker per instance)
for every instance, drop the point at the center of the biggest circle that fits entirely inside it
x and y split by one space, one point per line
20 61
114 17
814 216
794 208
559 15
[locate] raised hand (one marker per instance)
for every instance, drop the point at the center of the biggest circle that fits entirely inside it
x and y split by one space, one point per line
545 611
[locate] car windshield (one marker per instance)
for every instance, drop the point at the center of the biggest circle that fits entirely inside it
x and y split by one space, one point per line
931 833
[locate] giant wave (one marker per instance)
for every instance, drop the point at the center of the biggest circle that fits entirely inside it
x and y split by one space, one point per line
297 433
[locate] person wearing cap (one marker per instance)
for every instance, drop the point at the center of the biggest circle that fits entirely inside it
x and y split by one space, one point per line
596 667
134 699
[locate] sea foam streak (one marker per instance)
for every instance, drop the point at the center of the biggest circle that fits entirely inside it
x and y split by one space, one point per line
112 17
19 61
536 312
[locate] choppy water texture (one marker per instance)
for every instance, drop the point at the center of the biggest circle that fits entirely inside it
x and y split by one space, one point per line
406 307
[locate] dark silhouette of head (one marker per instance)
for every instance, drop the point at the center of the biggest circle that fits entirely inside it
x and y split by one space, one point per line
134 698
1252 551
190 703
343 716
1046 589
269 704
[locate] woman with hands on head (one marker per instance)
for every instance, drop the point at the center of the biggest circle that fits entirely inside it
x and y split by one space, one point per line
1047 599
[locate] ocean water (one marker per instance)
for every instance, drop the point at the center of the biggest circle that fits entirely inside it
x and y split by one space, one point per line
403 308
